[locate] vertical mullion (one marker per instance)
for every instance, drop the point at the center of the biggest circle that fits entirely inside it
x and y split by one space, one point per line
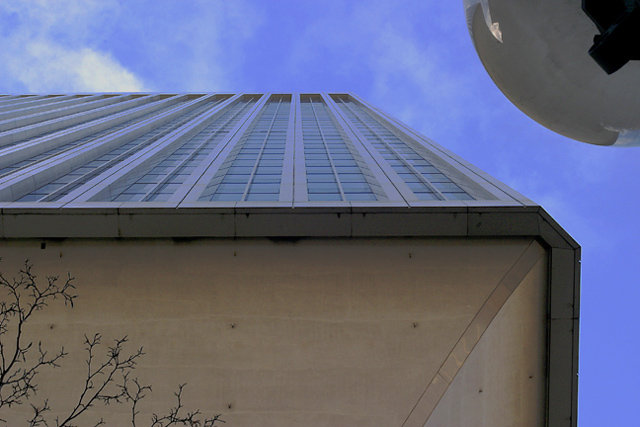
287 180
9 113
360 146
264 143
300 191
194 152
11 104
54 117
170 126
326 147
66 146
217 158
390 148
26 133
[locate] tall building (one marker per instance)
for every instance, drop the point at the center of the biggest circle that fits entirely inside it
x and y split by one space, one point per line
297 259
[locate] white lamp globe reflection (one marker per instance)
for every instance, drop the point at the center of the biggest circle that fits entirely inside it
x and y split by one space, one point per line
537 53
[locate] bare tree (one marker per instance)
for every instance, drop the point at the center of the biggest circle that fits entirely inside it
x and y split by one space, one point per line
107 380
24 297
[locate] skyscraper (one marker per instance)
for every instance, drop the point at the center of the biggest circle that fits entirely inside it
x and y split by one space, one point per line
302 259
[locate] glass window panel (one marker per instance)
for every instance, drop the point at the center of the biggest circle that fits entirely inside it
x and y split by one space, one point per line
324 197
177 179
447 186
310 162
96 163
248 162
352 177
83 170
187 169
231 188
268 162
126 197
356 187
269 170
401 169
360 197
240 170
457 196
170 162
49 188
436 177
426 196
264 188
326 177
342 156
409 177
262 197
30 198
419 163
267 179
65 179
426 169
345 162
319 170
322 187
169 188
226 197
418 187
160 197
236 179
244 156
163 170
140 188
348 169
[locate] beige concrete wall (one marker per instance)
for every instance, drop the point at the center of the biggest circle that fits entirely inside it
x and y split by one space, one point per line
313 333
502 383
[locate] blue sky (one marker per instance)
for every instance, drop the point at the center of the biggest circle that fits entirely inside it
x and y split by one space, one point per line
415 60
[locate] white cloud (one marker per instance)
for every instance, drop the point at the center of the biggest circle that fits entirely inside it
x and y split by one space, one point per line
46 48
45 67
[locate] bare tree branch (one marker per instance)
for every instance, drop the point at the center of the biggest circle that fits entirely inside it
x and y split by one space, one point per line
101 375
24 296
38 420
174 417
107 379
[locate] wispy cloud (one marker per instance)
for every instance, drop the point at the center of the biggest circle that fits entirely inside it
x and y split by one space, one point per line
45 67
46 47
184 46
109 45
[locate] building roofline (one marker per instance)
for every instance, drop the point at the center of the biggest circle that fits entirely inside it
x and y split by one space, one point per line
348 220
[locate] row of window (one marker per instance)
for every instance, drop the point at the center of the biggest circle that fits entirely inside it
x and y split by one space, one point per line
58 126
65 184
169 173
253 170
331 168
425 180
81 141
26 108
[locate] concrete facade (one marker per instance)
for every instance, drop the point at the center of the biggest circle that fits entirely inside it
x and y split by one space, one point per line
313 332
